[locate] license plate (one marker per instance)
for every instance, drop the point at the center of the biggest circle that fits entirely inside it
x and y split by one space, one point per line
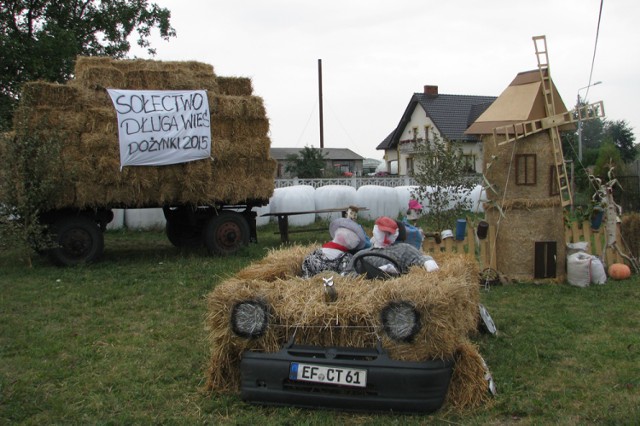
328 374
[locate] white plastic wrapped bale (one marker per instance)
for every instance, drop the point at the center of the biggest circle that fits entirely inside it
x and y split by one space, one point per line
262 220
403 194
380 201
333 197
144 218
294 199
118 220
477 196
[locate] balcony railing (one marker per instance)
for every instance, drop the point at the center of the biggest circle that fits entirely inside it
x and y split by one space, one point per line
407 147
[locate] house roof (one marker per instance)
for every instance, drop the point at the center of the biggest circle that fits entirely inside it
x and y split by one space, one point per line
522 100
451 114
329 153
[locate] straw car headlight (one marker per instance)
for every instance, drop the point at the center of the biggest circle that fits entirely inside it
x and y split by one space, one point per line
250 318
400 320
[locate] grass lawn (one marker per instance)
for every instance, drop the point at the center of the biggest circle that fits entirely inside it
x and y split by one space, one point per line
123 341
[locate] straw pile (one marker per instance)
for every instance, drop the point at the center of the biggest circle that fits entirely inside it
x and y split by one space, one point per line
447 301
239 170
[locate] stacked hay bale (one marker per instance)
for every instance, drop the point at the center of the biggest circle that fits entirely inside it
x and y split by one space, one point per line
447 301
80 115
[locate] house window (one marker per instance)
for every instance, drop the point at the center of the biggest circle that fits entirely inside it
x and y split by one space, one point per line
426 133
553 181
469 163
415 134
410 166
525 169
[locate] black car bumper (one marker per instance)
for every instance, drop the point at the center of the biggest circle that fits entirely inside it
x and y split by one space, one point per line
343 378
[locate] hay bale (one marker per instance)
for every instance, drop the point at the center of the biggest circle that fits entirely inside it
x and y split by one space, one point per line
44 94
46 117
231 150
101 120
447 301
277 264
85 62
468 388
235 86
101 77
233 128
82 113
242 107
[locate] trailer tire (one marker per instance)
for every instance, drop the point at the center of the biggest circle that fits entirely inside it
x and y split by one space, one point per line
181 234
226 233
79 240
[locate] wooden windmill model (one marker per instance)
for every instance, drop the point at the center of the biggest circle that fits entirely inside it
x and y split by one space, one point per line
527 183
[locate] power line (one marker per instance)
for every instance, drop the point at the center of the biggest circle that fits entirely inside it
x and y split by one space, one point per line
595 46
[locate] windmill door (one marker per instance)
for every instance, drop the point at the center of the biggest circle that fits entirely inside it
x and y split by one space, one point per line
545 260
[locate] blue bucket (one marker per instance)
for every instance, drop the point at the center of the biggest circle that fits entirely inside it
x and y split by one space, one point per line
461 227
596 219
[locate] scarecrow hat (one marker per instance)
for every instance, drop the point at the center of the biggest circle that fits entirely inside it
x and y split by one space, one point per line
386 224
343 222
415 205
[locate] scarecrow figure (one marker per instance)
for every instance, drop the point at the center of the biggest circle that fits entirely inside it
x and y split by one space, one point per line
335 255
413 212
612 213
385 234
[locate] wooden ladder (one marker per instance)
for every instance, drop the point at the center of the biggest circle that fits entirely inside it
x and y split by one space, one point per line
560 169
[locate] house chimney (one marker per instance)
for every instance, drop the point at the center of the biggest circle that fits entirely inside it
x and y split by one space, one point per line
431 90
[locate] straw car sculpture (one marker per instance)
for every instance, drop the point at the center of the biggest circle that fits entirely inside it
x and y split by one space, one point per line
266 319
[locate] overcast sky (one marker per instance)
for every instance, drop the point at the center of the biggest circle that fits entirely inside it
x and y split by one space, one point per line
375 54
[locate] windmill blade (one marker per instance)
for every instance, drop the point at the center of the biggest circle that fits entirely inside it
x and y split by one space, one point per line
512 132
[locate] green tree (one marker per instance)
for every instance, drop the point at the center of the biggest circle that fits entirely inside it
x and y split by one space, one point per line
309 163
39 40
621 135
440 171
608 157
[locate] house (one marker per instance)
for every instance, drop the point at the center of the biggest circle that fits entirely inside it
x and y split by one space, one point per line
340 160
430 114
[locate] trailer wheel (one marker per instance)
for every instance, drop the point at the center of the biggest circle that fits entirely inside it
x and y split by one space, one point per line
182 234
226 233
79 240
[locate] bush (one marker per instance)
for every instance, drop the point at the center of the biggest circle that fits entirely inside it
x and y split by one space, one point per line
27 185
630 229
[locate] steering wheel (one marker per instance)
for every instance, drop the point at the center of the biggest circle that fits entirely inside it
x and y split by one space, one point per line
361 266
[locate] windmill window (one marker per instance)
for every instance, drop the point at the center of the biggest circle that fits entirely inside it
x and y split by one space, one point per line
525 169
469 161
553 181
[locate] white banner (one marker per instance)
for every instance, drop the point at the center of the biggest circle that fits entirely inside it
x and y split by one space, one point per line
160 127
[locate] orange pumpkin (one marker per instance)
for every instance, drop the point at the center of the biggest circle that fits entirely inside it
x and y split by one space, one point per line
619 271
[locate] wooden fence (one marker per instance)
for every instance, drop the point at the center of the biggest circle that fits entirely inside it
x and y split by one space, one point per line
484 249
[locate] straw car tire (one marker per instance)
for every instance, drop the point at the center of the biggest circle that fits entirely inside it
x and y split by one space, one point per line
226 233
183 234
79 240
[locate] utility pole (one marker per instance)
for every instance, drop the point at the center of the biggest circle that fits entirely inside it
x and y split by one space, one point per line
320 101
579 109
